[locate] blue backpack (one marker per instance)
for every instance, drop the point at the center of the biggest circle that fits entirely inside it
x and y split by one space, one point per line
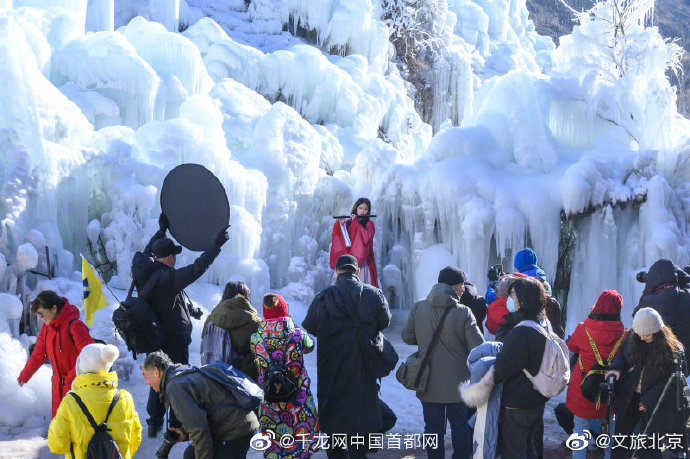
247 393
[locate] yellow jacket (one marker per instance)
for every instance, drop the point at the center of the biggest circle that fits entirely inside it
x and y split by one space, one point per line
70 428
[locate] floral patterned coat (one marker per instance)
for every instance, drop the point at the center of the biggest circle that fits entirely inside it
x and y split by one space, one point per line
297 419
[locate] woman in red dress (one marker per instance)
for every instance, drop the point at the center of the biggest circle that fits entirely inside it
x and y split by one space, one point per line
355 236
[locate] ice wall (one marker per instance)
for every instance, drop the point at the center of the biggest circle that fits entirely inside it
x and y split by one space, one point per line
298 109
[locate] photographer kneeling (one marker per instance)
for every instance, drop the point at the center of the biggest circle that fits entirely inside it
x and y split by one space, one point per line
643 368
216 427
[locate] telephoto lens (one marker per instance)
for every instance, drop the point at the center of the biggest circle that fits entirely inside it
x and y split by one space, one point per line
641 277
169 439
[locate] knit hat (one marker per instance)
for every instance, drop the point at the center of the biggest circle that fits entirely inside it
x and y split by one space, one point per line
504 283
525 259
451 275
274 312
96 358
647 322
609 302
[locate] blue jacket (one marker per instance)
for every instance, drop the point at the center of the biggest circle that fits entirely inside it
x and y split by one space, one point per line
486 396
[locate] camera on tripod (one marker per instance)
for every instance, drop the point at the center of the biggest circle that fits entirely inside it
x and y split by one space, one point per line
169 439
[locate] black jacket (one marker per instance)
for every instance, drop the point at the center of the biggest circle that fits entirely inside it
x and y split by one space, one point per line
167 298
347 392
669 300
667 420
476 303
523 347
204 408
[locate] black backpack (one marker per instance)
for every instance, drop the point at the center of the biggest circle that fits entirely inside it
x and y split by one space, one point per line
280 385
101 445
594 377
137 323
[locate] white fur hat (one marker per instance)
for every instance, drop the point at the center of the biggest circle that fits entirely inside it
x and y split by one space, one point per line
96 358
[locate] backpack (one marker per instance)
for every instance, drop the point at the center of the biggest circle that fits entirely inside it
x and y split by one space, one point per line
280 385
554 371
69 333
592 379
137 323
101 445
247 393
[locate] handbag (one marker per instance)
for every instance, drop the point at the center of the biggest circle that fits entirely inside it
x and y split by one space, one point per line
414 372
592 379
380 357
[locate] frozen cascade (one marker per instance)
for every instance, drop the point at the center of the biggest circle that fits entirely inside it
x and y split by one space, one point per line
107 63
100 15
173 54
77 8
347 27
167 12
613 238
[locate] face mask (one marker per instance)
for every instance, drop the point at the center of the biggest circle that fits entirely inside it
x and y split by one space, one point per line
510 304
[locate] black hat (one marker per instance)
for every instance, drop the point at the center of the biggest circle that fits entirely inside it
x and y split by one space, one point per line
346 261
163 247
451 275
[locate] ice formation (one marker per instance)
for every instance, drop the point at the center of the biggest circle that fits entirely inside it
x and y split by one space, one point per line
299 108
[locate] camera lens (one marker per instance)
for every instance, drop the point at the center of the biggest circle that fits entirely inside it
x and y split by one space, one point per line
169 439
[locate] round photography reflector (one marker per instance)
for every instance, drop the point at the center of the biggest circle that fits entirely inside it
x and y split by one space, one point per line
196 205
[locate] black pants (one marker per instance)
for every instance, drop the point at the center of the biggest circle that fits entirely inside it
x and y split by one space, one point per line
229 449
388 419
154 407
520 431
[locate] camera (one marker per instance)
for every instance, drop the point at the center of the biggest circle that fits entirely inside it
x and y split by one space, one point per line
169 439
495 272
196 312
641 277
607 387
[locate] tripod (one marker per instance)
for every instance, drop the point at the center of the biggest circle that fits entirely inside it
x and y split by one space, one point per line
677 377
610 427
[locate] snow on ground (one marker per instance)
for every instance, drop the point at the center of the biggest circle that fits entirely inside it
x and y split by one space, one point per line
29 442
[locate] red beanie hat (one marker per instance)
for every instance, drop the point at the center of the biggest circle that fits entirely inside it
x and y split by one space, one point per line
276 307
609 302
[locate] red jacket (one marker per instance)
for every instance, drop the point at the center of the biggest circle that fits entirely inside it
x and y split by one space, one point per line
605 334
495 313
362 248
55 343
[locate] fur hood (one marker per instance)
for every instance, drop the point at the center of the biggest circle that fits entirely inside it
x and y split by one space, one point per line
476 394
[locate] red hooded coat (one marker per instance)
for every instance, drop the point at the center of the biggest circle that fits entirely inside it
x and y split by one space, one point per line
55 343
605 334
362 248
495 313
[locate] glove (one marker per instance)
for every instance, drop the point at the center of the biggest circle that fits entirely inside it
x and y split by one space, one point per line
196 312
222 237
492 275
163 223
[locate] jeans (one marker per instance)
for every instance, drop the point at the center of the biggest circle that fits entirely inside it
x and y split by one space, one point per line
519 432
594 427
154 407
229 449
435 415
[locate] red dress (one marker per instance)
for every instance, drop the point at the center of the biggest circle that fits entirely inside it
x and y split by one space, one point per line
605 334
55 343
362 248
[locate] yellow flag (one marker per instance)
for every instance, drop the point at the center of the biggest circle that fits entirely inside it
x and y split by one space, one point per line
94 299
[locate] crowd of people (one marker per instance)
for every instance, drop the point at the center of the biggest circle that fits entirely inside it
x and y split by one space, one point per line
488 364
